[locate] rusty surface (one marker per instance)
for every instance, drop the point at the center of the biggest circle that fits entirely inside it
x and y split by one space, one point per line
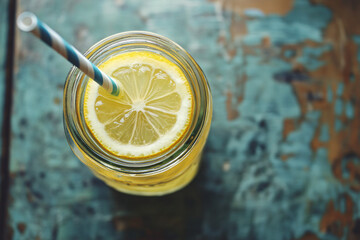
283 156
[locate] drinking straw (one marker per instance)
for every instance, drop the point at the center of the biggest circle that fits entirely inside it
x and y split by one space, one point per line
28 22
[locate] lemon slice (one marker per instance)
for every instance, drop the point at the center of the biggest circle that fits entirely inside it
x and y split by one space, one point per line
151 115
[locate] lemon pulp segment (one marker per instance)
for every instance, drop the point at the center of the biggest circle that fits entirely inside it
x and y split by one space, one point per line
152 113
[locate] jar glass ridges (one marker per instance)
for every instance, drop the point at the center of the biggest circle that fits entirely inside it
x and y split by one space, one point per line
156 175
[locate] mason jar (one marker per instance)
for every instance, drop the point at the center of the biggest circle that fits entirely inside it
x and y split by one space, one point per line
160 174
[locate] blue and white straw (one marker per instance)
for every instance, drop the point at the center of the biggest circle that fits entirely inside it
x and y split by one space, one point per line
28 22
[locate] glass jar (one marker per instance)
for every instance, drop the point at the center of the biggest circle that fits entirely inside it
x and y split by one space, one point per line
157 175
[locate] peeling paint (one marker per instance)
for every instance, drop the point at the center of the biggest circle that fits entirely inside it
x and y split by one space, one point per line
329 94
338 125
280 7
309 58
338 106
349 110
340 89
324 133
282 158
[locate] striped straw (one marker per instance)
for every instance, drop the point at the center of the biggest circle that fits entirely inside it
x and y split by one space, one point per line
28 22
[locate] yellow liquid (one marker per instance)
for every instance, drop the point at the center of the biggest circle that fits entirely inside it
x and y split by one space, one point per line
159 182
164 182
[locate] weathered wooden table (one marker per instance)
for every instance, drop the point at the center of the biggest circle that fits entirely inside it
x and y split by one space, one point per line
283 157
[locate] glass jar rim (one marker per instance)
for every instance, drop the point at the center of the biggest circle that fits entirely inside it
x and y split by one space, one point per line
75 78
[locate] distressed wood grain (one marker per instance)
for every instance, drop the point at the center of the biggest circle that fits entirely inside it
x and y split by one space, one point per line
282 160
3 38
6 65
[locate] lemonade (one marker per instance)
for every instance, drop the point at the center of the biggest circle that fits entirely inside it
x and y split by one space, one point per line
149 139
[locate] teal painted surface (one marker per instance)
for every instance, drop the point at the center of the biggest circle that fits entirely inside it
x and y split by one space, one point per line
338 106
310 57
338 124
349 110
357 40
258 179
329 94
340 89
324 133
3 34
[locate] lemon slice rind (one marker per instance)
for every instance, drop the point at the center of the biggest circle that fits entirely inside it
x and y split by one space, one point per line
164 141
